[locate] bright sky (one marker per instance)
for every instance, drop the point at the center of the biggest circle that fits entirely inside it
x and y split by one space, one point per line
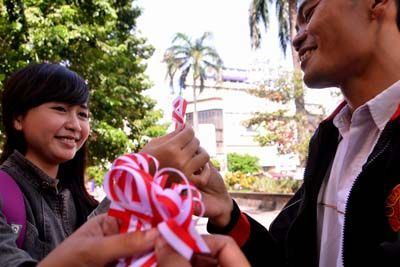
226 19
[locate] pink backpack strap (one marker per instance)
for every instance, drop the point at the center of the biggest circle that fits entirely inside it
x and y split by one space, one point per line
13 206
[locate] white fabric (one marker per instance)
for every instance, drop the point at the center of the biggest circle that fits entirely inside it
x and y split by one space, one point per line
359 133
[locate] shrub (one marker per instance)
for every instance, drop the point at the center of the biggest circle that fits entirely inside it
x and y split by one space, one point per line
239 180
243 163
216 164
271 185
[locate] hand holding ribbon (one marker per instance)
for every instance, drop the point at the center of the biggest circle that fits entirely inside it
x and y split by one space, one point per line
144 196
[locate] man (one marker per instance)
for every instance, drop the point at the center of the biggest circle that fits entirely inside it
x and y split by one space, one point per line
347 213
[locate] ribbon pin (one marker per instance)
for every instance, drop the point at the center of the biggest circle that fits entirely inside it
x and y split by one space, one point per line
178 112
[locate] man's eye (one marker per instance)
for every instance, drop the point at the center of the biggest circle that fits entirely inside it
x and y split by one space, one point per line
308 15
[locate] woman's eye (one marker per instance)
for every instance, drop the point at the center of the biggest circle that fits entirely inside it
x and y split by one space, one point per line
59 108
84 115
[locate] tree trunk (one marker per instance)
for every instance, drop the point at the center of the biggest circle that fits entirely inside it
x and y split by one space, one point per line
299 92
195 114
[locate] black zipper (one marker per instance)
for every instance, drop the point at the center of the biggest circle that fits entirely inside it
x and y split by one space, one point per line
378 154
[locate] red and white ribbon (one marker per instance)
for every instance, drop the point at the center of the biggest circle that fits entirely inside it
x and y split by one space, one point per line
144 196
178 112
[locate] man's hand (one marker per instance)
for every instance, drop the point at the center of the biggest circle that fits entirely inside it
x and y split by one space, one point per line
179 150
224 253
97 243
216 198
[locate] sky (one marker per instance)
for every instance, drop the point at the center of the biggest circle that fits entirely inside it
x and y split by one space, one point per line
226 19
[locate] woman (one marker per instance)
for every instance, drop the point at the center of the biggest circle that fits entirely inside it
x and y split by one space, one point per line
46 124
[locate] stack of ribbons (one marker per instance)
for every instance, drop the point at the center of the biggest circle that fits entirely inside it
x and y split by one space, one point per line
144 196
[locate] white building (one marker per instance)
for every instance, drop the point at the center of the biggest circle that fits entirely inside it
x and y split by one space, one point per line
223 107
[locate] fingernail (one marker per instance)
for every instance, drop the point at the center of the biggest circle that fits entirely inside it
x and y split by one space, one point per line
151 235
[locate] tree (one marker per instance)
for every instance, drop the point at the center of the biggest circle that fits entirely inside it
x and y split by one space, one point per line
289 131
286 14
98 40
191 58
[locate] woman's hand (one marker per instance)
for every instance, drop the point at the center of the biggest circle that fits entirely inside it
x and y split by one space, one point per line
97 243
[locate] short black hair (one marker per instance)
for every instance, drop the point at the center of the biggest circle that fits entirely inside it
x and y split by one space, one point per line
33 86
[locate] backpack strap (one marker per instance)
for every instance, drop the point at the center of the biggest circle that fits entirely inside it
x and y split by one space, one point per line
13 206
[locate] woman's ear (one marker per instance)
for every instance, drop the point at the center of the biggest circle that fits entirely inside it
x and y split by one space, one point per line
17 123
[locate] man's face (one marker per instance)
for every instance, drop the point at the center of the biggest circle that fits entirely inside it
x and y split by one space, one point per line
334 41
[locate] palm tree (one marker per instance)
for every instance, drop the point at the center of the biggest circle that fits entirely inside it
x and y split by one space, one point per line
286 11
191 58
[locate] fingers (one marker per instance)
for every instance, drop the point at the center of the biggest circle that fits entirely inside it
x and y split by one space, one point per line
201 179
191 147
198 162
182 138
167 256
108 224
227 251
126 245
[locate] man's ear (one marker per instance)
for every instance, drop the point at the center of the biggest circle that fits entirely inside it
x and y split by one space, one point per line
17 123
378 7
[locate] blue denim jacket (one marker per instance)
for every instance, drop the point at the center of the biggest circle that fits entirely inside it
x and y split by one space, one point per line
50 213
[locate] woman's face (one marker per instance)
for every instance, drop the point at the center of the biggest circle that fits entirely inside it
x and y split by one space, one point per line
53 132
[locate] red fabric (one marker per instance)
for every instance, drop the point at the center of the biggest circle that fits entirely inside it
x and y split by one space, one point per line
241 232
396 114
336 111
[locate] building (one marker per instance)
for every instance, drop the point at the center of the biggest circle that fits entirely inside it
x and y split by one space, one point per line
222 108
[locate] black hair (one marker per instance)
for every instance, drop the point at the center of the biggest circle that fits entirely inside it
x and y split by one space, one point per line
30 87
398 14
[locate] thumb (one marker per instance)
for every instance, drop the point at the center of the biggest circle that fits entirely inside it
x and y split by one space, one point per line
126 245
167 256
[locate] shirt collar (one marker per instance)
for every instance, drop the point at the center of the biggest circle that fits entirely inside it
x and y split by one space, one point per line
384 105
37 176
380 109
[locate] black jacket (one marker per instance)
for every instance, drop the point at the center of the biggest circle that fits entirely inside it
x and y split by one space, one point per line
369 239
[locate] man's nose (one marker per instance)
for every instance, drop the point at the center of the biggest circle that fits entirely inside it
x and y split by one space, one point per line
299 39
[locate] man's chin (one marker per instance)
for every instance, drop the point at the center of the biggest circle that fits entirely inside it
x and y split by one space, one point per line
316 81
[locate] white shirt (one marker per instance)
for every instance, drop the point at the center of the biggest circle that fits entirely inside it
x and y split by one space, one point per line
359 133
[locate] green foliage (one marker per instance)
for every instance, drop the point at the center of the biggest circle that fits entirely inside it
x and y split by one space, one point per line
96 173
216 164
239 180
97 39
289 131
271 185
243 163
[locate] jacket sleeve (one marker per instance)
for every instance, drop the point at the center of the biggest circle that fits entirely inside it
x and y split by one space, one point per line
389 254
261 247
253 238
11 255
103 207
